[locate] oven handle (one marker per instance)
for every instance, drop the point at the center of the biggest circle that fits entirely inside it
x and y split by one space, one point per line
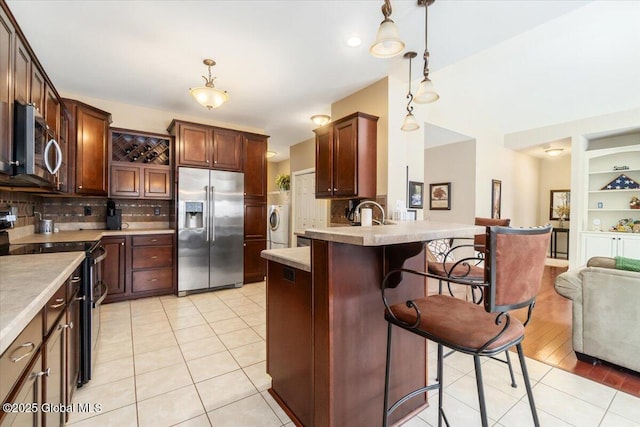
105 291
100 257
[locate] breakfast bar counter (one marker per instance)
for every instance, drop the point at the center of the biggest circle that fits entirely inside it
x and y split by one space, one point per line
331 320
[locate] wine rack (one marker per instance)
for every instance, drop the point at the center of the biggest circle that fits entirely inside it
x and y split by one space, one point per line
140 147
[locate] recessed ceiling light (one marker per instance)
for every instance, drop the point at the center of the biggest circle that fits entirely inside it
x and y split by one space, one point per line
354 41
270 154
554 151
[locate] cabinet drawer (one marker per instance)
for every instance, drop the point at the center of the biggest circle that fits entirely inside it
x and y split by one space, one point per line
18 355
150 257
74 283
152 280
56 305
155 240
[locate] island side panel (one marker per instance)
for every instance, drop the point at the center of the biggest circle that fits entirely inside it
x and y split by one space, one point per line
350 337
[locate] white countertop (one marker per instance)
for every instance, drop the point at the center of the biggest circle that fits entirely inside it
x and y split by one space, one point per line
86 235
299 258
27 282
401 232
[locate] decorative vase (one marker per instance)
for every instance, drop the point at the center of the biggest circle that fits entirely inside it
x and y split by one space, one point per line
561 222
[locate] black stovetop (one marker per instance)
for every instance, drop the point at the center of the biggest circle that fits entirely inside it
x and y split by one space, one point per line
43 248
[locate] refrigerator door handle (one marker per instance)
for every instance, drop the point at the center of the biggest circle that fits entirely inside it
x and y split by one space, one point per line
207 215
212 190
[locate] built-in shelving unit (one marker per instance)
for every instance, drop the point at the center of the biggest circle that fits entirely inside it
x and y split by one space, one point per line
140 148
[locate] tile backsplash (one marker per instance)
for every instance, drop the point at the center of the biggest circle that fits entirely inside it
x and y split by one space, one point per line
338 208
65 210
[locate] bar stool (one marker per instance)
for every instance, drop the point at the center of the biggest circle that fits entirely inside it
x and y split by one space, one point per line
448 264
514 267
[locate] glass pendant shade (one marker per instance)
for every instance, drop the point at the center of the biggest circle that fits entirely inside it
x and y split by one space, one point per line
426 93
209 97
388 42
410 123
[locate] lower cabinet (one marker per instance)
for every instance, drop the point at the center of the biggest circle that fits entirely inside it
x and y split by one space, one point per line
254 264
610 245
140 182
138 266
27 392
290 343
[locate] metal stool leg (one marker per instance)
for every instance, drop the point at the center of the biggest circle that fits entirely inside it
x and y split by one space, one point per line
479 383
513 378
527 385
385 415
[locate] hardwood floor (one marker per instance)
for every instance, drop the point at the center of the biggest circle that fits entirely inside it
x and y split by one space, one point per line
548 339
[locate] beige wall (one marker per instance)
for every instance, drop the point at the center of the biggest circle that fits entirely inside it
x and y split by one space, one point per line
373 99
148 119
437 169
273 170
303 155
555 174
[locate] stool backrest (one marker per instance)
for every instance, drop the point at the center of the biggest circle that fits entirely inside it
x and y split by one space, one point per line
514 266
480 240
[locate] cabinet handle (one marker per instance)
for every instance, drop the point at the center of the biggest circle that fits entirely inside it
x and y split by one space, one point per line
122 244
154 257
15 163
75 279
44 373
328 189
27 344
154 240
215 161
207 161
68 325
153 280
80 187
335 189
82 298
60 302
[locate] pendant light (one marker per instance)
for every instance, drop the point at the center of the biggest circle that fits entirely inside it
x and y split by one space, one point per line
388 42
207 95
426 93
410 122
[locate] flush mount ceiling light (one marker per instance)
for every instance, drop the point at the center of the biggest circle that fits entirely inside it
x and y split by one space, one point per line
388 42
553 152
321 119
354 41
426 93
270 154
410 122
207 95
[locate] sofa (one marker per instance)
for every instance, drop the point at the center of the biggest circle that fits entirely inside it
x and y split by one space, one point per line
606 312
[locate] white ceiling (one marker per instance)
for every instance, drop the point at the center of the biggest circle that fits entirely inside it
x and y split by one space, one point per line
280 61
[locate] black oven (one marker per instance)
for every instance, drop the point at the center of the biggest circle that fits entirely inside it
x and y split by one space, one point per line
93 291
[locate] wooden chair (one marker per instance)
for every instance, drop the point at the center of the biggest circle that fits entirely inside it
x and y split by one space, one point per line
514 267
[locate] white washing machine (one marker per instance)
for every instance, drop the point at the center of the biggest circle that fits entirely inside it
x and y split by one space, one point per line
278 226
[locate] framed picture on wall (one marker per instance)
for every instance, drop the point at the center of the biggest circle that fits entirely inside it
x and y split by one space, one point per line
559 204
416 194
440 196
496 198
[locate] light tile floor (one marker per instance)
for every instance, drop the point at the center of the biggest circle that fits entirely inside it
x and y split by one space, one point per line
200 361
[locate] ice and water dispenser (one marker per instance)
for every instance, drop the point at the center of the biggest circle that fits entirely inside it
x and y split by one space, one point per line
193 217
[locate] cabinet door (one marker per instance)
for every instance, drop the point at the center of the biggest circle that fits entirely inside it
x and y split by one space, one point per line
125 181
324 162
91 152
194 145
52 111
345 159
255 221
63 140
29 391
227 150
254 264
629 247
255 167
157 183
22 74
54 364
114 267
37 88
598 246
73 347
7 45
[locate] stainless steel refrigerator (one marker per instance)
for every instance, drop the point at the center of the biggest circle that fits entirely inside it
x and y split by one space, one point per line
210 229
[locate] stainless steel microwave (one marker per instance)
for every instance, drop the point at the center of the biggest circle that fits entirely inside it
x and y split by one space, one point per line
37 155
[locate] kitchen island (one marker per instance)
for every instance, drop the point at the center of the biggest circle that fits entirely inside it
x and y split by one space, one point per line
330 320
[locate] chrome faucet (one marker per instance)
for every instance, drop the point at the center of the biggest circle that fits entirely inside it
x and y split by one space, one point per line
371 202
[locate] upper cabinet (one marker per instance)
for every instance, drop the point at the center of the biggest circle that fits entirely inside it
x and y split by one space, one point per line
88 140
255 166
206 146
7 46
140 165
346 153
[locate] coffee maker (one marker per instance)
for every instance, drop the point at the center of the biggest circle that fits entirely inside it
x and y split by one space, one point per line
114 216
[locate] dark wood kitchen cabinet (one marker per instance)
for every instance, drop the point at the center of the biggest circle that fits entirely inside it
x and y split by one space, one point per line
207 146
37 89
22 74
255 167
138 266
7 46
88 146
255 240
114 266
346 153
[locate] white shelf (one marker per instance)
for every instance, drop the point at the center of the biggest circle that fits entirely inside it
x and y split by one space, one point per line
621 190
614 210
613 172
